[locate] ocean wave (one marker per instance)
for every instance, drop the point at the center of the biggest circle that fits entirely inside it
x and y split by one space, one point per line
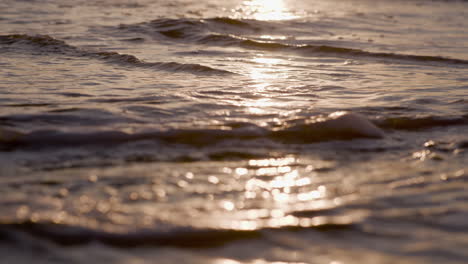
180 237
216 23
380 55
242 23
167 66
320 50
321 128
336 126
48 44
420 123
224 31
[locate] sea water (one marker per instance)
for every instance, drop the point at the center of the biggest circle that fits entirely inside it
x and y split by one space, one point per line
301 131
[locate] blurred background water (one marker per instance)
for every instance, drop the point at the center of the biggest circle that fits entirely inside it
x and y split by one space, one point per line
280 131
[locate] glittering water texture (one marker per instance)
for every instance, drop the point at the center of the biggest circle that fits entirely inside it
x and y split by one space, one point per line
233 131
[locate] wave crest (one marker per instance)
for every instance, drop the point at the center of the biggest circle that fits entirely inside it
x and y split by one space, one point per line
45 42
49 44
420 123
321 128
336 126
182 237
224 31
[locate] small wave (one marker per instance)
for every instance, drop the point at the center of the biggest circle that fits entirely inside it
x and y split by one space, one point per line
232 40
182 237
29 105
199 30
420 123
174 23
168 66
223 31
320 49
171 28
45 42
187 29
216 23
336 126
193 68
48 44
235 22
361 53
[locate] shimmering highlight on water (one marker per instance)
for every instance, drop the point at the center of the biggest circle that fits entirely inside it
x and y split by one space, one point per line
284 131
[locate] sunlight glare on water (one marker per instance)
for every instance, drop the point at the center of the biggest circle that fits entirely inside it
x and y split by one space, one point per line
260 131
263 78
268 10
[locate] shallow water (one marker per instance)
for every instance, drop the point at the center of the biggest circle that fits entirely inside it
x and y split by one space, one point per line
241 132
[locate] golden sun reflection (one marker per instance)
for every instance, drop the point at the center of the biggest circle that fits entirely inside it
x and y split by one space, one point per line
262 75
267 10
273 162
226 261
269 61
281 181
273 37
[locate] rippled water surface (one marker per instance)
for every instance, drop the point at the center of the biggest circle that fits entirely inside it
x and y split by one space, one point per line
278 131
